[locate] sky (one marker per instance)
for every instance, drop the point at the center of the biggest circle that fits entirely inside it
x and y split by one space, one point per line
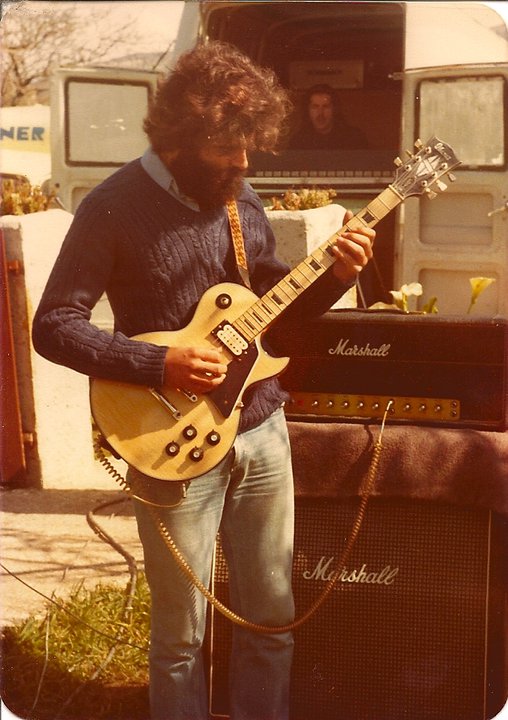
156 20
501 7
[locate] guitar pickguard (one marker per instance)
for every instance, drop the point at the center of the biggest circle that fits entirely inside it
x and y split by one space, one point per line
225 397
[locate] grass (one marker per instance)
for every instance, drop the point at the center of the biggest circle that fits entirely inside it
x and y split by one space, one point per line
59 668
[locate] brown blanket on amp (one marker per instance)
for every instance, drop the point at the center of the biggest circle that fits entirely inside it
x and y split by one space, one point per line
459 466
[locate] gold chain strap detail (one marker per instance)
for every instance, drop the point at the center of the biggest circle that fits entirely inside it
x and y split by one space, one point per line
236 234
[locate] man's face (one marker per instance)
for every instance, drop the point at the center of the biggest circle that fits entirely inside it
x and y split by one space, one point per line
212 174
321 112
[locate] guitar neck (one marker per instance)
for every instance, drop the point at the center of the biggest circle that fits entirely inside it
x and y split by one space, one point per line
268 308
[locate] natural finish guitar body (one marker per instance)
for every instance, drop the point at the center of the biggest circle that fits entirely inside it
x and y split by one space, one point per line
148 434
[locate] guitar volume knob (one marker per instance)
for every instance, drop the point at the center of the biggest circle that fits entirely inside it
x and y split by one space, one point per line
189 432
172 449
213 438
196 454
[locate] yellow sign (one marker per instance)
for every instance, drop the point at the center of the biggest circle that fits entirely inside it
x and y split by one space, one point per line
25 128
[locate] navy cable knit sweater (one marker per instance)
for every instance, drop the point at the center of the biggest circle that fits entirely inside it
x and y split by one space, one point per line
154 257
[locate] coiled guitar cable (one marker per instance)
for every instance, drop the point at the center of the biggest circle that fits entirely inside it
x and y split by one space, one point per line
365 492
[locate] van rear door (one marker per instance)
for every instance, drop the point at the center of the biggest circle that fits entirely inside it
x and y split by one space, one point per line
96 126
457 90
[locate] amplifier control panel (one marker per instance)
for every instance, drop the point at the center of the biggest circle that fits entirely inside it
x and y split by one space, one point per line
336 405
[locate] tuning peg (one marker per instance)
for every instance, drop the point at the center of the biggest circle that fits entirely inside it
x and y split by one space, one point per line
418 144
441 185
409 153
451 177
397 162
430 194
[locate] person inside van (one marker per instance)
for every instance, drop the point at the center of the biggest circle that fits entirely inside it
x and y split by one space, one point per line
323 126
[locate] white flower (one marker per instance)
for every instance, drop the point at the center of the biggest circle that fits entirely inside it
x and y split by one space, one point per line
413 288
400 296
397 295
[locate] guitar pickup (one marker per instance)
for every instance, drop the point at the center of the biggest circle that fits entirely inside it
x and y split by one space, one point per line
231 339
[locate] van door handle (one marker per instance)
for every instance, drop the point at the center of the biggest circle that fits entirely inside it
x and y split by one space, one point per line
503 208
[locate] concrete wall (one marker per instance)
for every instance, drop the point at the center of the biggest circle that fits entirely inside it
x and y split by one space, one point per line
54 400
298 233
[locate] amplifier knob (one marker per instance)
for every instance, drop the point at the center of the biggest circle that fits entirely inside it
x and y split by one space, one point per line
360 405
407 407
438 408
330 404
315 403
422 408
376 406
345 404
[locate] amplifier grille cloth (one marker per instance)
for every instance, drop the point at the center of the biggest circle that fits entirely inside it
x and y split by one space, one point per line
412 642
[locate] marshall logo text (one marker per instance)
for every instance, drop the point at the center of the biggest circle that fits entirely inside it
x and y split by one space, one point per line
344 347
325 571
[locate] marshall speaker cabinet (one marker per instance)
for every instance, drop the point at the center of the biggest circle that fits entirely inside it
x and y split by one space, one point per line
414 629
437 370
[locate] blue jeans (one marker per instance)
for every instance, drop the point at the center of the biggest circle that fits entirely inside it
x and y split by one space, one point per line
249 497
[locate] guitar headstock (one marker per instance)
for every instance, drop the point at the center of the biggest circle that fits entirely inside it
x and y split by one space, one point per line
423 170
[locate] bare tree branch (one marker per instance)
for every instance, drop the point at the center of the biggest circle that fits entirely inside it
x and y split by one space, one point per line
37 37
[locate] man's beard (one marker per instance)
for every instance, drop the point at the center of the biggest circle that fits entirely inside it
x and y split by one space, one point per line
202 182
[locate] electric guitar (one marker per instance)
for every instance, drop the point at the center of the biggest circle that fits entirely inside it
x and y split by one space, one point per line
176 435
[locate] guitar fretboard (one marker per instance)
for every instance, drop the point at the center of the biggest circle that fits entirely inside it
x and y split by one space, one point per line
268 308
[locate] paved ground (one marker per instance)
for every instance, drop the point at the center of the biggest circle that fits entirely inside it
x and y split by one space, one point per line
47 543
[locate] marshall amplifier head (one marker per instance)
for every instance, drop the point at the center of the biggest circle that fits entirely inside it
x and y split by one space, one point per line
436 370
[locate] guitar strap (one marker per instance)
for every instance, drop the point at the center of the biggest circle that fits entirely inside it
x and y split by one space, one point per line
238 244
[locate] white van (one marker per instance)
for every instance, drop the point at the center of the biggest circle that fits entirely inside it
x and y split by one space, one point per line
402 71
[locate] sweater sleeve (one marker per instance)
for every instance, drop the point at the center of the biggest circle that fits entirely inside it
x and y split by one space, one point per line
62 331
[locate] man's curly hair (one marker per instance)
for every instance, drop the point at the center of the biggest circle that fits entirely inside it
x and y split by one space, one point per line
216 93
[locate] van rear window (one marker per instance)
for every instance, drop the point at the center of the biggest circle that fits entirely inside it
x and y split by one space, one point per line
470 113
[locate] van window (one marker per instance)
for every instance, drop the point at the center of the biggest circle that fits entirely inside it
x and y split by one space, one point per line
103 121
469 113
356 48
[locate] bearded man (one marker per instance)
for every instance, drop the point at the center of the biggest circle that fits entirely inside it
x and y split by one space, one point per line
155 236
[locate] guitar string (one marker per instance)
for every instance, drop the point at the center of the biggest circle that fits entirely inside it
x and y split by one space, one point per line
389 198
